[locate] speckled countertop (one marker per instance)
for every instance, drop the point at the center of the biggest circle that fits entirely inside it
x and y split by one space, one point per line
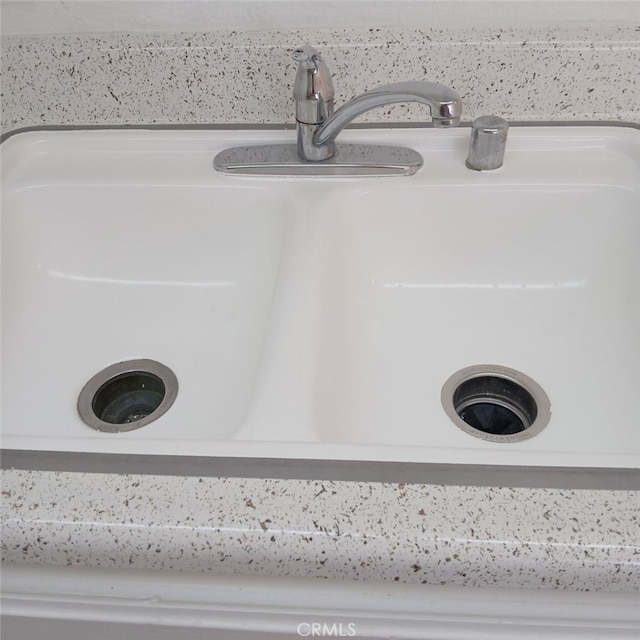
472 536
579 540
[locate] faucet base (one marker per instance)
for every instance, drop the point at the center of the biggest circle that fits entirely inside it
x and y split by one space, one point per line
349 160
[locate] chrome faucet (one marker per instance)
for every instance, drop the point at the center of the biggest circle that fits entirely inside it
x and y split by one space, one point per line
318 125
315 152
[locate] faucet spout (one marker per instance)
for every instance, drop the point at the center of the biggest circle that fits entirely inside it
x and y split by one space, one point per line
444 104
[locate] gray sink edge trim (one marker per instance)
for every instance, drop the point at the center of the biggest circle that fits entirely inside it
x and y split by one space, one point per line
265 127
530 477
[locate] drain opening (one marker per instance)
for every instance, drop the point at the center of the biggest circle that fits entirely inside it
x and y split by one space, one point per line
127 395
496 403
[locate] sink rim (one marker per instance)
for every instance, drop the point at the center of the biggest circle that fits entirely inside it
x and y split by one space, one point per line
361 468
322 469
465 124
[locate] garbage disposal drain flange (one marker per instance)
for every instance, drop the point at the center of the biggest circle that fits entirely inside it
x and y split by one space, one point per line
496 403
127 395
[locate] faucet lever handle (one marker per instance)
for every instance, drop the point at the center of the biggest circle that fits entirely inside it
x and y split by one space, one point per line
313 89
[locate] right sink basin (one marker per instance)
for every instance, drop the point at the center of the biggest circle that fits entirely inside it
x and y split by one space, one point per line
502 305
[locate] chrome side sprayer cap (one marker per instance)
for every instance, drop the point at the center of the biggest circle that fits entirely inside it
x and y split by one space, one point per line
488 142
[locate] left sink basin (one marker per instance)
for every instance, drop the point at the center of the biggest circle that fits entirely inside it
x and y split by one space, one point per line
124 245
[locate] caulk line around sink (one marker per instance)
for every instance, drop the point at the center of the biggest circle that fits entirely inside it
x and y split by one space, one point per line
529 477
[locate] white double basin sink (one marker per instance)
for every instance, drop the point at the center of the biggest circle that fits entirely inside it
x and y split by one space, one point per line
320 318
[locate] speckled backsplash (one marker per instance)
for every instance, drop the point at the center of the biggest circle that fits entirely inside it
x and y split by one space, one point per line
577 73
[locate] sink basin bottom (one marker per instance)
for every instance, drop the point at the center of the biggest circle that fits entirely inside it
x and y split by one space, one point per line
538 280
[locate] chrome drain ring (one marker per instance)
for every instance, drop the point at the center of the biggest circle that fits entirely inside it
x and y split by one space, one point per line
127 395
496 403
